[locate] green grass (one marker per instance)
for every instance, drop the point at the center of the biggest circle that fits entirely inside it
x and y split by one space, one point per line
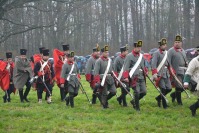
56 117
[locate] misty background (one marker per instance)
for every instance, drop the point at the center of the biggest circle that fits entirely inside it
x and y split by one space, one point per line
31 24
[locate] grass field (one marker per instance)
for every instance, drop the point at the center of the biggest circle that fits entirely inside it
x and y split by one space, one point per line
19 117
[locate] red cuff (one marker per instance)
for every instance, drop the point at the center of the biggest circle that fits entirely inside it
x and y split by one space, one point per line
154 71
146 70
39 73
126 74
116 73
79 76
97 78
172 69
62 80
88 77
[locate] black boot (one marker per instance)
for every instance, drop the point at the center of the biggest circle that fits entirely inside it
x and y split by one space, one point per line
104 101
173 96
71 101
110 95
124 100
119 99
62 94
67 101
137 102
194 107
26 94
4 98
21 96
133 103
178 97
164 103
94 97
99 97
158 99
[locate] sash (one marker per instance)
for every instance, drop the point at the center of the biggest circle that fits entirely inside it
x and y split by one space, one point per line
107 69
162 62
121 72
136 65
42 68
71 70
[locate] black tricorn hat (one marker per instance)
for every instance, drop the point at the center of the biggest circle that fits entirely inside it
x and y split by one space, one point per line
41 50
65 47
45 52
8 54
23 51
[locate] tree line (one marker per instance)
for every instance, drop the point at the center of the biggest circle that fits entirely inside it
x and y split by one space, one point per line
84 23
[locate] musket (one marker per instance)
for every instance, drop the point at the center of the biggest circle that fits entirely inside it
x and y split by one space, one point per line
46 86
178 81
157 88
83 91
123 85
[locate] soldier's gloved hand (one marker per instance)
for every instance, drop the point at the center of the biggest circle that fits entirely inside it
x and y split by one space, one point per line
126 80
155 77
186 85
62 85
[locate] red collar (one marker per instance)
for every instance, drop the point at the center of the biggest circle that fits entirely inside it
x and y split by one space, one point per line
161 51
122 56
104 58
70 62
135 54
177 49
94 56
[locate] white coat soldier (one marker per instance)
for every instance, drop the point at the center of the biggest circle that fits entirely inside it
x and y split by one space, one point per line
191 79
103 77
44 70
70 79
9 68
134 74
160 72
118 69
177 63
90 71
22 75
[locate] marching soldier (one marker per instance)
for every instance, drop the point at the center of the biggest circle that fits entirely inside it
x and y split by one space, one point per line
178 63
22 75
38 57
118 67
59 59
134 73
90 71
9 68
103 77
191 79
70 79
160 72
44 70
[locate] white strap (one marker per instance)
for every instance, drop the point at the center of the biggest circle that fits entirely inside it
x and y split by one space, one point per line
43 65
136 65
71 70
121 72
162 62
107 69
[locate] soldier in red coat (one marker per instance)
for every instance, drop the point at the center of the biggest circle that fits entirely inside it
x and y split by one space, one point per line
9 68
60 58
